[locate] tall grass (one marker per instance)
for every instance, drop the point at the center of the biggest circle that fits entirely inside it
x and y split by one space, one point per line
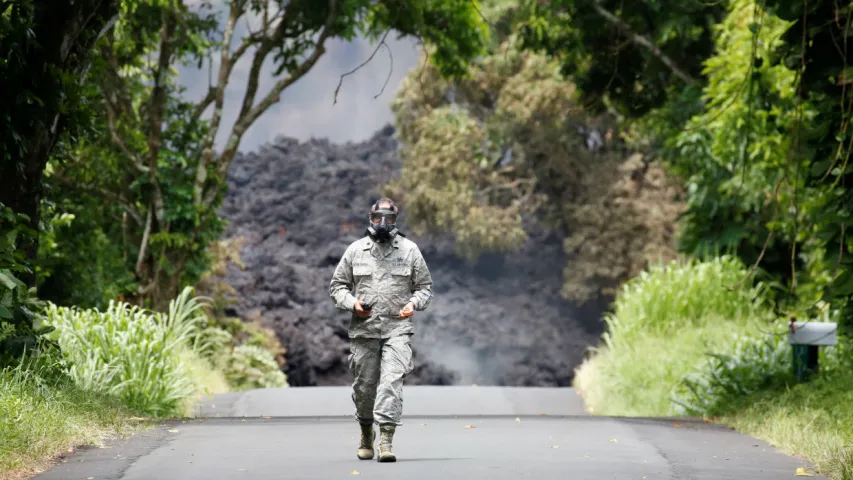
813 419
666 298
42 412
140 357
681 341
664 323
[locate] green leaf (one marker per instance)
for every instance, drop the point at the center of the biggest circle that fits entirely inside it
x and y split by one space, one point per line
9 280
5 313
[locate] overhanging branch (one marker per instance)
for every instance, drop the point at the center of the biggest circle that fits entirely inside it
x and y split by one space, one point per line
643 42
249 114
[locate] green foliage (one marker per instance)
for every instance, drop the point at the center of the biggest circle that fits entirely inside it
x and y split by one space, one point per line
20 323
735 153
250 367
752 365
812 420
665 298
595 42
812 47
488 156
43 413
248 354
130 353
663 324
80 262
153 155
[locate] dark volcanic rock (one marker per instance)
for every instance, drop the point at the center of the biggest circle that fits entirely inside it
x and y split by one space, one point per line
298 205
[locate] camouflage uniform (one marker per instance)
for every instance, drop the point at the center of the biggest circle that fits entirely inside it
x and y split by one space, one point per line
387 276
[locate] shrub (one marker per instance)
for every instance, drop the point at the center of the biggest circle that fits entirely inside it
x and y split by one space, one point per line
250 366
249 355
20 328
131 353
752 364
666 298
663 322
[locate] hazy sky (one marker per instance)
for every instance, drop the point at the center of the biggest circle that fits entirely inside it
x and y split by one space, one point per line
305 109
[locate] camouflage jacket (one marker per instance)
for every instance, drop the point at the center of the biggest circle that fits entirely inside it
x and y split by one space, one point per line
388 281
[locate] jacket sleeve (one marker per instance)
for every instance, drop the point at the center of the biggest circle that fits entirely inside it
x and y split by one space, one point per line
421 282
340 288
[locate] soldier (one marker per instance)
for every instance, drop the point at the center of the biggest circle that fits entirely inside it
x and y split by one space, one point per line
383 279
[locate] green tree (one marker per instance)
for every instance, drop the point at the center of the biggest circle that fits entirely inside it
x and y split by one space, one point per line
157 164
816 46
489 156
629 55
44 54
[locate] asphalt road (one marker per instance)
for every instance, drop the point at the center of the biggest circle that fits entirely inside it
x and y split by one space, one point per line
448 433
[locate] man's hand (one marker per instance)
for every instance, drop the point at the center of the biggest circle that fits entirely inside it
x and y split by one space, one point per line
408 310
361 312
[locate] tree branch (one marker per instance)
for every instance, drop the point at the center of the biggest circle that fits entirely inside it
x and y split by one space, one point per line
248 115
143 245
643 42
390 70
117 198
216 95
341 80
158 103
134 158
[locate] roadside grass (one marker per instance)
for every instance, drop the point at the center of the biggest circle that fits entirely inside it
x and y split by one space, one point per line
813 420
43 414
664 322
115 372
680 341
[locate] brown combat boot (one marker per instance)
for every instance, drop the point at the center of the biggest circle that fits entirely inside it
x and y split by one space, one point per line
386 435
365 448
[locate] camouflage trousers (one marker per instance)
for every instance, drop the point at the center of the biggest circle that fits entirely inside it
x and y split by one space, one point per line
379 367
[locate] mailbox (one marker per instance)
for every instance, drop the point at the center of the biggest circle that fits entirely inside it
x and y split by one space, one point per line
821 334
805 339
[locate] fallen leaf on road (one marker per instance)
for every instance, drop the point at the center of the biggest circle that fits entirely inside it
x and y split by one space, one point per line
354 472
174 430
518 419
613 440
801 472
470 426
543 414
676 425
586 456
267 417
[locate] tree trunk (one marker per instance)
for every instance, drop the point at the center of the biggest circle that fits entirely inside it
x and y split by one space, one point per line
65 33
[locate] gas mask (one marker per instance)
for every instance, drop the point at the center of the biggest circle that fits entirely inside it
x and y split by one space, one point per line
383 224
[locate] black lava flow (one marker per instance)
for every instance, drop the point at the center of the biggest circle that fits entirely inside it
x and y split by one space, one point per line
497 321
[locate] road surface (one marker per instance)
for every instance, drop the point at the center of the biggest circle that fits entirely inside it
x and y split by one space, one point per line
448 433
